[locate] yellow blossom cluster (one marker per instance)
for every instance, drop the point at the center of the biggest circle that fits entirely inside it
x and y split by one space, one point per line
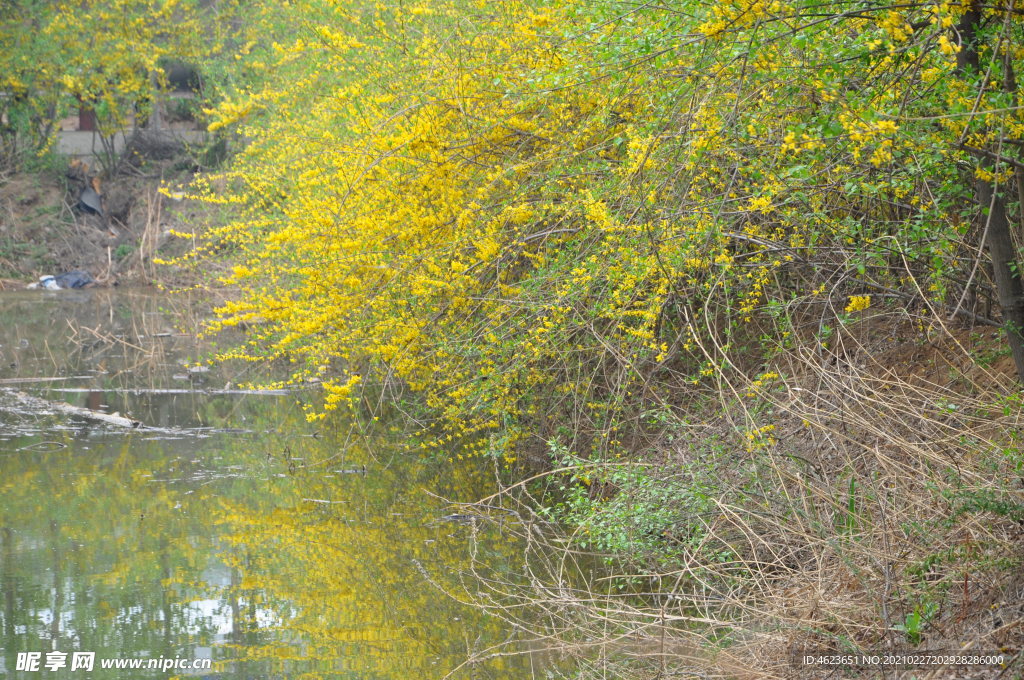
528 221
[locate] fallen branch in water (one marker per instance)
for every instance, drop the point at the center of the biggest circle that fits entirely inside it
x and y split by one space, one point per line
17 381
117 420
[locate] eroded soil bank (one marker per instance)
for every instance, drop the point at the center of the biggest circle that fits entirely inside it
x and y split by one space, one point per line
46 228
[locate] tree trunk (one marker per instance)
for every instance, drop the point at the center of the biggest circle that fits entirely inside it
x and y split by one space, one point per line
998 238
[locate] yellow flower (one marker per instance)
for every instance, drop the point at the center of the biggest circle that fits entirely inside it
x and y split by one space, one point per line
858 303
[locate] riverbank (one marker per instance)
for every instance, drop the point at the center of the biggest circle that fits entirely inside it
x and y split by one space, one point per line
45 231
879 514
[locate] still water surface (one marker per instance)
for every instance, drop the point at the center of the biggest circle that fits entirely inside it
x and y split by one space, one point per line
230 528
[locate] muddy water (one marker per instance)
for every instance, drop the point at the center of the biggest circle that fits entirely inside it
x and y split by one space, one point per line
228 528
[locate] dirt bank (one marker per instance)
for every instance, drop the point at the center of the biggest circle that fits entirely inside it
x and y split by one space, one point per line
45 228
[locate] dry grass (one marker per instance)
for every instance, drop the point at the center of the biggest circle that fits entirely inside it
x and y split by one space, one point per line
885 514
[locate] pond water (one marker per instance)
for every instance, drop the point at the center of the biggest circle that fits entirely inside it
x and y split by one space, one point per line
228 528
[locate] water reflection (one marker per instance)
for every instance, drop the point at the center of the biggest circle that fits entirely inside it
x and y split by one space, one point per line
226 530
